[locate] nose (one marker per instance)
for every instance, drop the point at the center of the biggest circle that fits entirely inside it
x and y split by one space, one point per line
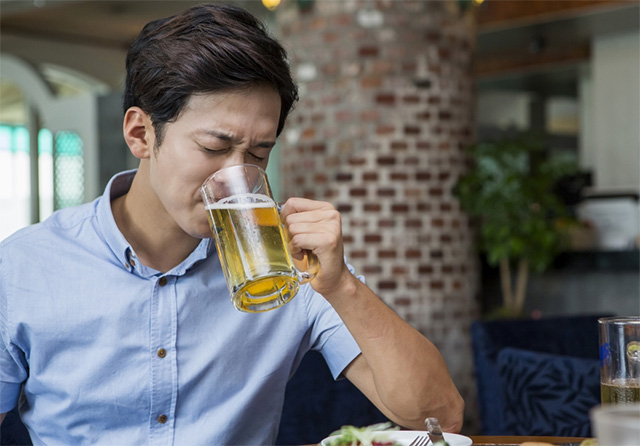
233 158
234 179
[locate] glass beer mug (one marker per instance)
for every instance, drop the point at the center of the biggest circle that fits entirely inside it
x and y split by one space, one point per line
251 240
620 359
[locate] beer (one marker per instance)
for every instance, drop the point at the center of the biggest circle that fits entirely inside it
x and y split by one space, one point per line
252 248
621 391
252 245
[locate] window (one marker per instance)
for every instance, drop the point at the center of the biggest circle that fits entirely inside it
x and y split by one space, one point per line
68 170
60 176
15 176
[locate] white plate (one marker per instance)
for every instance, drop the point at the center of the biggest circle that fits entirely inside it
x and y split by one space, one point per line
406 437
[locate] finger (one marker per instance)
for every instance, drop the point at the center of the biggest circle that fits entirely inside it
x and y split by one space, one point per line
313 217
318 221
299 234
318 242
296 205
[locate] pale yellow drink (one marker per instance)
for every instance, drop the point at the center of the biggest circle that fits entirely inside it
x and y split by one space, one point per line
621 391
251 244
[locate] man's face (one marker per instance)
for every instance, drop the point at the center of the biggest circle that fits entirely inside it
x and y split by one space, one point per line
213 130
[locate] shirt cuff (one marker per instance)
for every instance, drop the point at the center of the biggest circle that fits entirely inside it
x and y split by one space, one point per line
339 350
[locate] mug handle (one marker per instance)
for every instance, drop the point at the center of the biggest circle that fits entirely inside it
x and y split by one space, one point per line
313 266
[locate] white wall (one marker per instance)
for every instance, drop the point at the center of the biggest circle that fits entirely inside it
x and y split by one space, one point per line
504 109
615 113
586 141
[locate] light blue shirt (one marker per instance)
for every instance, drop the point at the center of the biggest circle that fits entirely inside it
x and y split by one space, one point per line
108 351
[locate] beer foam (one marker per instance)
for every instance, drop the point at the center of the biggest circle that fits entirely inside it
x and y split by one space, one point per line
243 201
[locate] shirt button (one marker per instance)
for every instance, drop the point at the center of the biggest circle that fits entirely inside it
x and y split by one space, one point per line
162 419
162 281
162 353
133 262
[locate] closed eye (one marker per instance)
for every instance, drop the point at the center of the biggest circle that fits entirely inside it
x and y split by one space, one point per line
215 151
256 157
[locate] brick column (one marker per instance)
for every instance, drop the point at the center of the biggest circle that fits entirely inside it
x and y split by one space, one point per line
386 108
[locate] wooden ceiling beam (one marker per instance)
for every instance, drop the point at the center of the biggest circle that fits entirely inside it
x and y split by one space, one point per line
506 64
511 13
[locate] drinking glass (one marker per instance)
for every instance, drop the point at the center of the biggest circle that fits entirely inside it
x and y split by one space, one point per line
251 240
616 425
620 359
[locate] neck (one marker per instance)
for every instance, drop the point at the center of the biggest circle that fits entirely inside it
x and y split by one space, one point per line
157 240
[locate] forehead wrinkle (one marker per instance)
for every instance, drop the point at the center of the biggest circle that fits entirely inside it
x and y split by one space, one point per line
225 136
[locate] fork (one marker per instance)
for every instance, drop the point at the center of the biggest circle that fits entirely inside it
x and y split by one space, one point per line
420 440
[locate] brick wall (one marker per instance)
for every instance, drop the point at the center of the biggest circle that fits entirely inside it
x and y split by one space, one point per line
385 110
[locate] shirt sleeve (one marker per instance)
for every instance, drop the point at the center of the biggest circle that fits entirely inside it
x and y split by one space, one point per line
331 336
12 362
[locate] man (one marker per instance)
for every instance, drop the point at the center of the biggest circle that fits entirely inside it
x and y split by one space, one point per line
115 320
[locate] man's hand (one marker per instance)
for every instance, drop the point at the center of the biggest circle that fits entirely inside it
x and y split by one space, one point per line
316 226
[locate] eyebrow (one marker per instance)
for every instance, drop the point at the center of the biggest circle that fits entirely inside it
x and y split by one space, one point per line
215 133
227 137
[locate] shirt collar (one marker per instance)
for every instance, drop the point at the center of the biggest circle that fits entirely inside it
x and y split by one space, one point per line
118 186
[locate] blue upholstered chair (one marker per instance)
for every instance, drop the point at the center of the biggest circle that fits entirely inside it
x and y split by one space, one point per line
315 405
545 394
536 376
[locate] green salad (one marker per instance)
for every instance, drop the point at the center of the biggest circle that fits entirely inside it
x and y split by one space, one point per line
373 435
363 436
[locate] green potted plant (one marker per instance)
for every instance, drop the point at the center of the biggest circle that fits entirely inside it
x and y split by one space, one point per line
509 193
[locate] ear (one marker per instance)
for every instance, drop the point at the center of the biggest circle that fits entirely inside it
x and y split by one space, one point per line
138 132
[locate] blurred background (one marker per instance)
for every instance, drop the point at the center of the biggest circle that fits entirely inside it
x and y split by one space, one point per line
393 92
